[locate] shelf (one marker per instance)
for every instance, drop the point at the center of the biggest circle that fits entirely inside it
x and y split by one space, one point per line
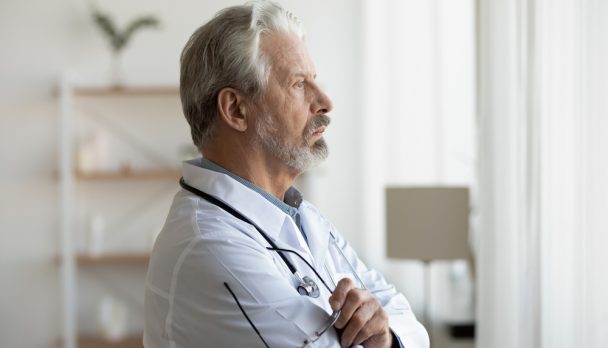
113 259
116 110
162 174
134 341
117 91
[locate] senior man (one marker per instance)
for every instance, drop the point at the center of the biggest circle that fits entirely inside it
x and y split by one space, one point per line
243 260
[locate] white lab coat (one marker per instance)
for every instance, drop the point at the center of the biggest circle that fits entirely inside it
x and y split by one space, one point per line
202 246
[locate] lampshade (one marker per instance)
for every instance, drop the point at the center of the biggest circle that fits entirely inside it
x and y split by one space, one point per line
427 223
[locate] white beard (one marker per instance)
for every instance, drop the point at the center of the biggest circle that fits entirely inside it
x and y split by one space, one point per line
301 157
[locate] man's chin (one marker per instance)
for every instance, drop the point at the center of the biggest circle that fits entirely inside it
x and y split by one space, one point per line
312 158
319 145
320 150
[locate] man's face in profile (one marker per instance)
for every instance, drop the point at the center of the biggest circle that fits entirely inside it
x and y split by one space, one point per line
291 119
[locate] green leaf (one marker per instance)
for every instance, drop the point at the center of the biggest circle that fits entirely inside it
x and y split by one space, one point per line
118 40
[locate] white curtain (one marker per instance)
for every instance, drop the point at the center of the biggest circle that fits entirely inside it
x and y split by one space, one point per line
418 121
543 154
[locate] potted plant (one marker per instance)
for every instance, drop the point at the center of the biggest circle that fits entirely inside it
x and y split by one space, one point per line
119 39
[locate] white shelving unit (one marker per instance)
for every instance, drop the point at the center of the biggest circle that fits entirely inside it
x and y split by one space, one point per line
117 182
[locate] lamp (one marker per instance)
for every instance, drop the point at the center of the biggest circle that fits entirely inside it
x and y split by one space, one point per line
427 224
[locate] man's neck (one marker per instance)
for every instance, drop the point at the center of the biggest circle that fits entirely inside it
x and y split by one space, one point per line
255 166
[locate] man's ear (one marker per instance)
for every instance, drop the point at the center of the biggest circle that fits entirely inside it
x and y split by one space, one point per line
231 108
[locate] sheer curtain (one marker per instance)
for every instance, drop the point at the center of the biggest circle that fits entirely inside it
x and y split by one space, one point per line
543 126
418 120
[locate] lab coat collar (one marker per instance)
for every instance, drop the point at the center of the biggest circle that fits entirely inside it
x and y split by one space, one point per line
260 211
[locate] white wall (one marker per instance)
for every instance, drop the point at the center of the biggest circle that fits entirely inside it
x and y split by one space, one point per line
42 39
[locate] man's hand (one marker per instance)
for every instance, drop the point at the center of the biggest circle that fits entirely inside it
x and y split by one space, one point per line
363 318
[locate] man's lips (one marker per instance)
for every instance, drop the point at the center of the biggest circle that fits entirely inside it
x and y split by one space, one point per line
319 131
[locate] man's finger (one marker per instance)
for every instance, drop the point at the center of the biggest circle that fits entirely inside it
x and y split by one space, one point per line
336 300
374 326
359 322
354 299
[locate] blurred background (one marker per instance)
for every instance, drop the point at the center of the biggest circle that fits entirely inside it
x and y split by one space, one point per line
468 162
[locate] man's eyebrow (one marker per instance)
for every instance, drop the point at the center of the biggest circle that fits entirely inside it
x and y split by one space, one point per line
304 75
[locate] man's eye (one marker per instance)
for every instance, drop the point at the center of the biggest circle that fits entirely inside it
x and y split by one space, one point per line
299 84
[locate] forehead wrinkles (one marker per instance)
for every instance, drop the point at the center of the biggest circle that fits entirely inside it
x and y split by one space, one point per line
286 54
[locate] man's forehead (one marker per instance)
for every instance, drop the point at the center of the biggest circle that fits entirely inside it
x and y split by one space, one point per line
287 54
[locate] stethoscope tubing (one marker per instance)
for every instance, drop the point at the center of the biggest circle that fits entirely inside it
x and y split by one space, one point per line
273 246
350 265
239 216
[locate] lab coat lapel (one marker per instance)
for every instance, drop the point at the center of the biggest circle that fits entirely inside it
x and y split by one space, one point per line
317 231
291 238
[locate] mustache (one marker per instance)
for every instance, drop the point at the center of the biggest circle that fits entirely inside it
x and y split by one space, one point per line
316 123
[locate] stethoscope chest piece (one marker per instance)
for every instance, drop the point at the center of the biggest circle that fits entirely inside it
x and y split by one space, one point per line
308 287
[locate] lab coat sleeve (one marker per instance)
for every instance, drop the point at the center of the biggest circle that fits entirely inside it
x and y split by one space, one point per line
401 318
203 313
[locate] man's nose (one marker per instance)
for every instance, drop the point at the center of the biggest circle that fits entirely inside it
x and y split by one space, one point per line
323 104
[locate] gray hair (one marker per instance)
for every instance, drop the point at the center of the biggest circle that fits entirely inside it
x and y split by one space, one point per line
225 52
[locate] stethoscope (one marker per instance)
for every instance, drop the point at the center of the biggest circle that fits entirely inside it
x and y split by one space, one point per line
306 285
